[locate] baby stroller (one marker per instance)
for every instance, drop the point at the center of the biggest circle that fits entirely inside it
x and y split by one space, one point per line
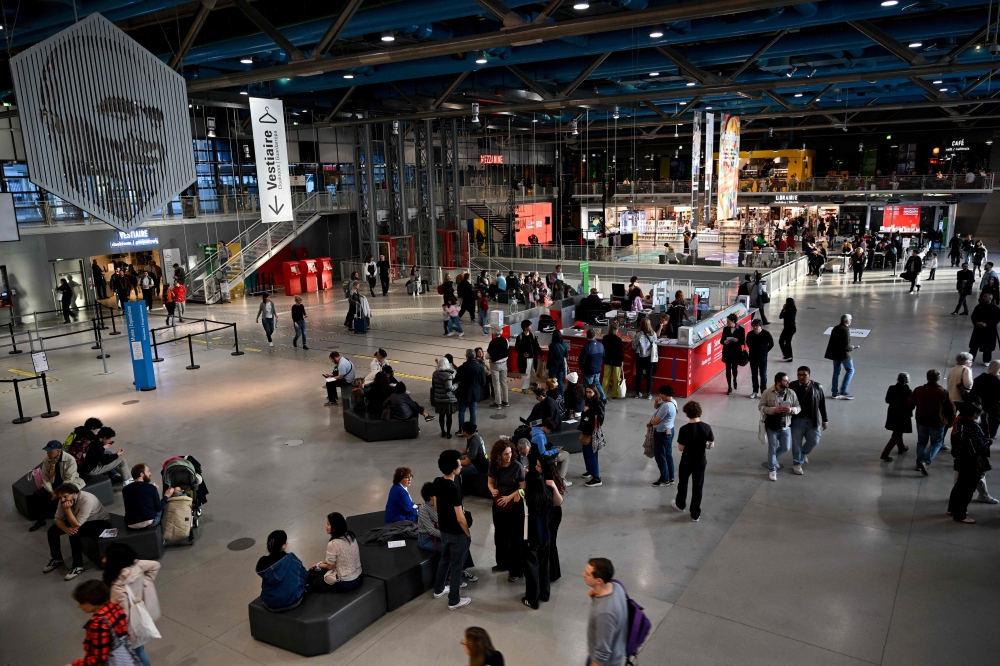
183 510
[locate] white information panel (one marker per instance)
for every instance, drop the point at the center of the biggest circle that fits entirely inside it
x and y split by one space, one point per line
273 182
855 332
40 362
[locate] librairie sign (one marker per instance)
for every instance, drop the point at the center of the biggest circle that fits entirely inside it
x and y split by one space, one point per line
273 181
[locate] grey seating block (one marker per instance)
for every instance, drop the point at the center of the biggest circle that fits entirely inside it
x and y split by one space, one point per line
322 622
408 572
372 428
476 485
147 543
568 438
24 487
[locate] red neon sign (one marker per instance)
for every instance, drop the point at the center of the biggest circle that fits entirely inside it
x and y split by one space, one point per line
491 159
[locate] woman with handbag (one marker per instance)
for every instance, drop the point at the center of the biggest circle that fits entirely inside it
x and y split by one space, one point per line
506 483
644 344
131 583
555 362
733 354
591 436
971 451
541 497
443 397
552 478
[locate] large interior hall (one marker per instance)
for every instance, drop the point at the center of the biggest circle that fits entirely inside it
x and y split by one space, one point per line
499 332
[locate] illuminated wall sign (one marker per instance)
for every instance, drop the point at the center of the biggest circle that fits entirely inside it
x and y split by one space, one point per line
957 145
786 198
491 159
132 239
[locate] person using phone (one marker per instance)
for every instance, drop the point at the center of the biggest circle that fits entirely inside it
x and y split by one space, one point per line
777 405
343 376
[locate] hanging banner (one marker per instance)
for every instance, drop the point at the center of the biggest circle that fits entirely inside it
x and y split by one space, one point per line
273 183
709 162
695 165
729 167
138 341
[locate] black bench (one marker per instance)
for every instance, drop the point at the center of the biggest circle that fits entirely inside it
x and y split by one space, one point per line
24 487
568 437
372 428
322 622
147 543
476 485
407 572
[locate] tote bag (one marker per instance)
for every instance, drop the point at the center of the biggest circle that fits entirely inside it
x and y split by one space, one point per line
121 653
141 627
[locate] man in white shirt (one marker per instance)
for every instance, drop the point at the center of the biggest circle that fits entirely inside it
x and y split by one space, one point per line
146 284
79 514
693 248
344 377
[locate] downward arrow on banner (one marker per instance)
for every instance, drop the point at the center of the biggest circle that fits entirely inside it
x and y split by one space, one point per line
272 206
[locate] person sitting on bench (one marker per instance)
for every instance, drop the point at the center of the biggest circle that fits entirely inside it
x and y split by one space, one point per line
402 406
101 460
400 506
474 460
545 408
341 570
58 468
143 504
79 515
343 376
283 576
540 440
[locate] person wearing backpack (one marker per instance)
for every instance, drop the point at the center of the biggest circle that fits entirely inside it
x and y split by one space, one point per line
608 622
131 583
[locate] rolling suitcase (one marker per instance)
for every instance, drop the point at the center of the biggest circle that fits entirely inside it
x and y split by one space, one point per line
360 325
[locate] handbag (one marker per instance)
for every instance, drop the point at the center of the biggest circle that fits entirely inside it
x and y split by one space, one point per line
622 386
36 476
647 444
764 298
509 506
654 355
141 627
121 653
585 439
597 442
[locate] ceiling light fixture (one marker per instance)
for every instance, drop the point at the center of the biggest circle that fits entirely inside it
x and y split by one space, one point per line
656 33
890 3
616 112
811 74
348 76
475 113
582 4
943 89
481 58
708 108
691 84
654 73
798 94
575 131
938 82
915 45
387 36
244 92
247 61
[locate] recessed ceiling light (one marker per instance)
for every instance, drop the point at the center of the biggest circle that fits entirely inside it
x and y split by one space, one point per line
246 61
708 108
890 3
387 36
481 59
798 94
244 92
348 76
656 33
915 45
691 83
943 89
654 73
581 5
937 82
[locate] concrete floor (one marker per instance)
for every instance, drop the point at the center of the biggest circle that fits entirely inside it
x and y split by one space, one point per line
855 562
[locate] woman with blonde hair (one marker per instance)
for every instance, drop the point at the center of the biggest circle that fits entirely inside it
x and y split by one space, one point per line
480 648
644 344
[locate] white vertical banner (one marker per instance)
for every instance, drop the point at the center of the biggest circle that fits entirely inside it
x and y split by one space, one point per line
274 186
709 162
695 165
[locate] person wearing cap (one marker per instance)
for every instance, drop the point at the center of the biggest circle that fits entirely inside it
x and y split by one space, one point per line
282 575
576 396
58 467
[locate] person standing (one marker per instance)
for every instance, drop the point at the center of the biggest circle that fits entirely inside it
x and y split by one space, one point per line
933 412
959 381
65 293
693 247
932 265
694 439
607 624
471 379
353 303
541 496
497 350
119 285
180 297
646 356
912 269
732 340
371 271
224 254
100 283
964 281
506 482
155 273
971 452
614 357
857 263
986 387
777 405
170 303
146 285
132 581
985 317
590 422
839 350
662 424
591 361
759 296
269 314
809 423
443 398
899 415
787 315
299 317
528 351
455 535
555 361
759 343
383 273
344 376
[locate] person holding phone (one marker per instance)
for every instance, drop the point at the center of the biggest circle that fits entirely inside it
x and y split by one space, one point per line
777 406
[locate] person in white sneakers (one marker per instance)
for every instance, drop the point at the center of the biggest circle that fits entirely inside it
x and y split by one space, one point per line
79 515
270 315
808 424
777 406
455 535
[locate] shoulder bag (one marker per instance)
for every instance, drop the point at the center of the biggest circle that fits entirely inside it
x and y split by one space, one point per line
141 627
647 444
597 442
121 652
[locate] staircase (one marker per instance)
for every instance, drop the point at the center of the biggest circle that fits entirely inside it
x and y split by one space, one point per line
258 243
495 222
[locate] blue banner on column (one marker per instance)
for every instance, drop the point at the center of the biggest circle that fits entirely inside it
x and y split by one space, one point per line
138 338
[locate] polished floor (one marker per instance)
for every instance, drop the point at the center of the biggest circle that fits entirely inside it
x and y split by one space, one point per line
854 562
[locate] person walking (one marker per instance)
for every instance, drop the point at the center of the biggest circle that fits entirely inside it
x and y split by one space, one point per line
759 298
645 345
986 387
541 496
590 423
787 315
662 424
759 343
506 481
100 283
555 361
107 638
899 415
970 449
170 303
299 317
985 317
959 381
132 581
269 314
371 273
454 527
857 263
933 412
808 424
65 294
383 273
777 406
528 352
467 295
180 296
911 271
443 397
479 648
614 357
146 285
732 340
119 285
839 350
694 439
497 351
607 624
964 281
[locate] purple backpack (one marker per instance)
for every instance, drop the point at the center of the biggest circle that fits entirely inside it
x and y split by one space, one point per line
639 625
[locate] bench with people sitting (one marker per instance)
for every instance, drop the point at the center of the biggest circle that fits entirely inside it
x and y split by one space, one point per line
147 543
384 412
407 571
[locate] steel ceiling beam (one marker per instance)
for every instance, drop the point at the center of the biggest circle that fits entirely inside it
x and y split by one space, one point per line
549 10
657 110
268 29
756 56
779 99
967 44
448 91
686 66
501 12
342 102
888 42
204 9
404 94
687 107
336 27
529 33
582 76
535 86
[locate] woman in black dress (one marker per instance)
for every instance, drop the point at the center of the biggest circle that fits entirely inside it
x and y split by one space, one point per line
540 497
551 475
899 417
787 315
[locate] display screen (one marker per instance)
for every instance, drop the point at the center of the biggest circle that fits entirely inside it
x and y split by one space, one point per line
632 221
901 218
533 220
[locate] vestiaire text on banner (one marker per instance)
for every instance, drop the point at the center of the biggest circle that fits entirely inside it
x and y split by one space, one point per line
273 183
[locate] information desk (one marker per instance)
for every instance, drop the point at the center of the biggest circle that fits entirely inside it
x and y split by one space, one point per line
686 364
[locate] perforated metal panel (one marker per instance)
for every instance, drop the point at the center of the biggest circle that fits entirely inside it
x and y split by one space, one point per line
105 122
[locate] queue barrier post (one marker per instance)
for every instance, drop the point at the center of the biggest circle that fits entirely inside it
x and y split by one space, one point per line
193 366
21 418
13 341
156 352
48 414
236 343
103 356
114 330
97 344
208 345
41 346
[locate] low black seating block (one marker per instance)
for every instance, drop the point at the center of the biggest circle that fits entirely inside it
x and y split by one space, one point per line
407 572
322 622
568 438
476 485
372 428
99 486
147 543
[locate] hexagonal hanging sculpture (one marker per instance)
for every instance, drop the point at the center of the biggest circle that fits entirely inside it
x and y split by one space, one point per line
105 122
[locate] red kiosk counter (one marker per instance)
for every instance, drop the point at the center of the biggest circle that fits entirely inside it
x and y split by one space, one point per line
686 364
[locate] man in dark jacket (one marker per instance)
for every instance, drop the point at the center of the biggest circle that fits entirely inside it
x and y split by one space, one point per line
471 378
101 460
383 273
839 351
498 350
934 413
528 351
807 424
545 408
591 361
964 281
913 267
759 343
143 504
744 288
